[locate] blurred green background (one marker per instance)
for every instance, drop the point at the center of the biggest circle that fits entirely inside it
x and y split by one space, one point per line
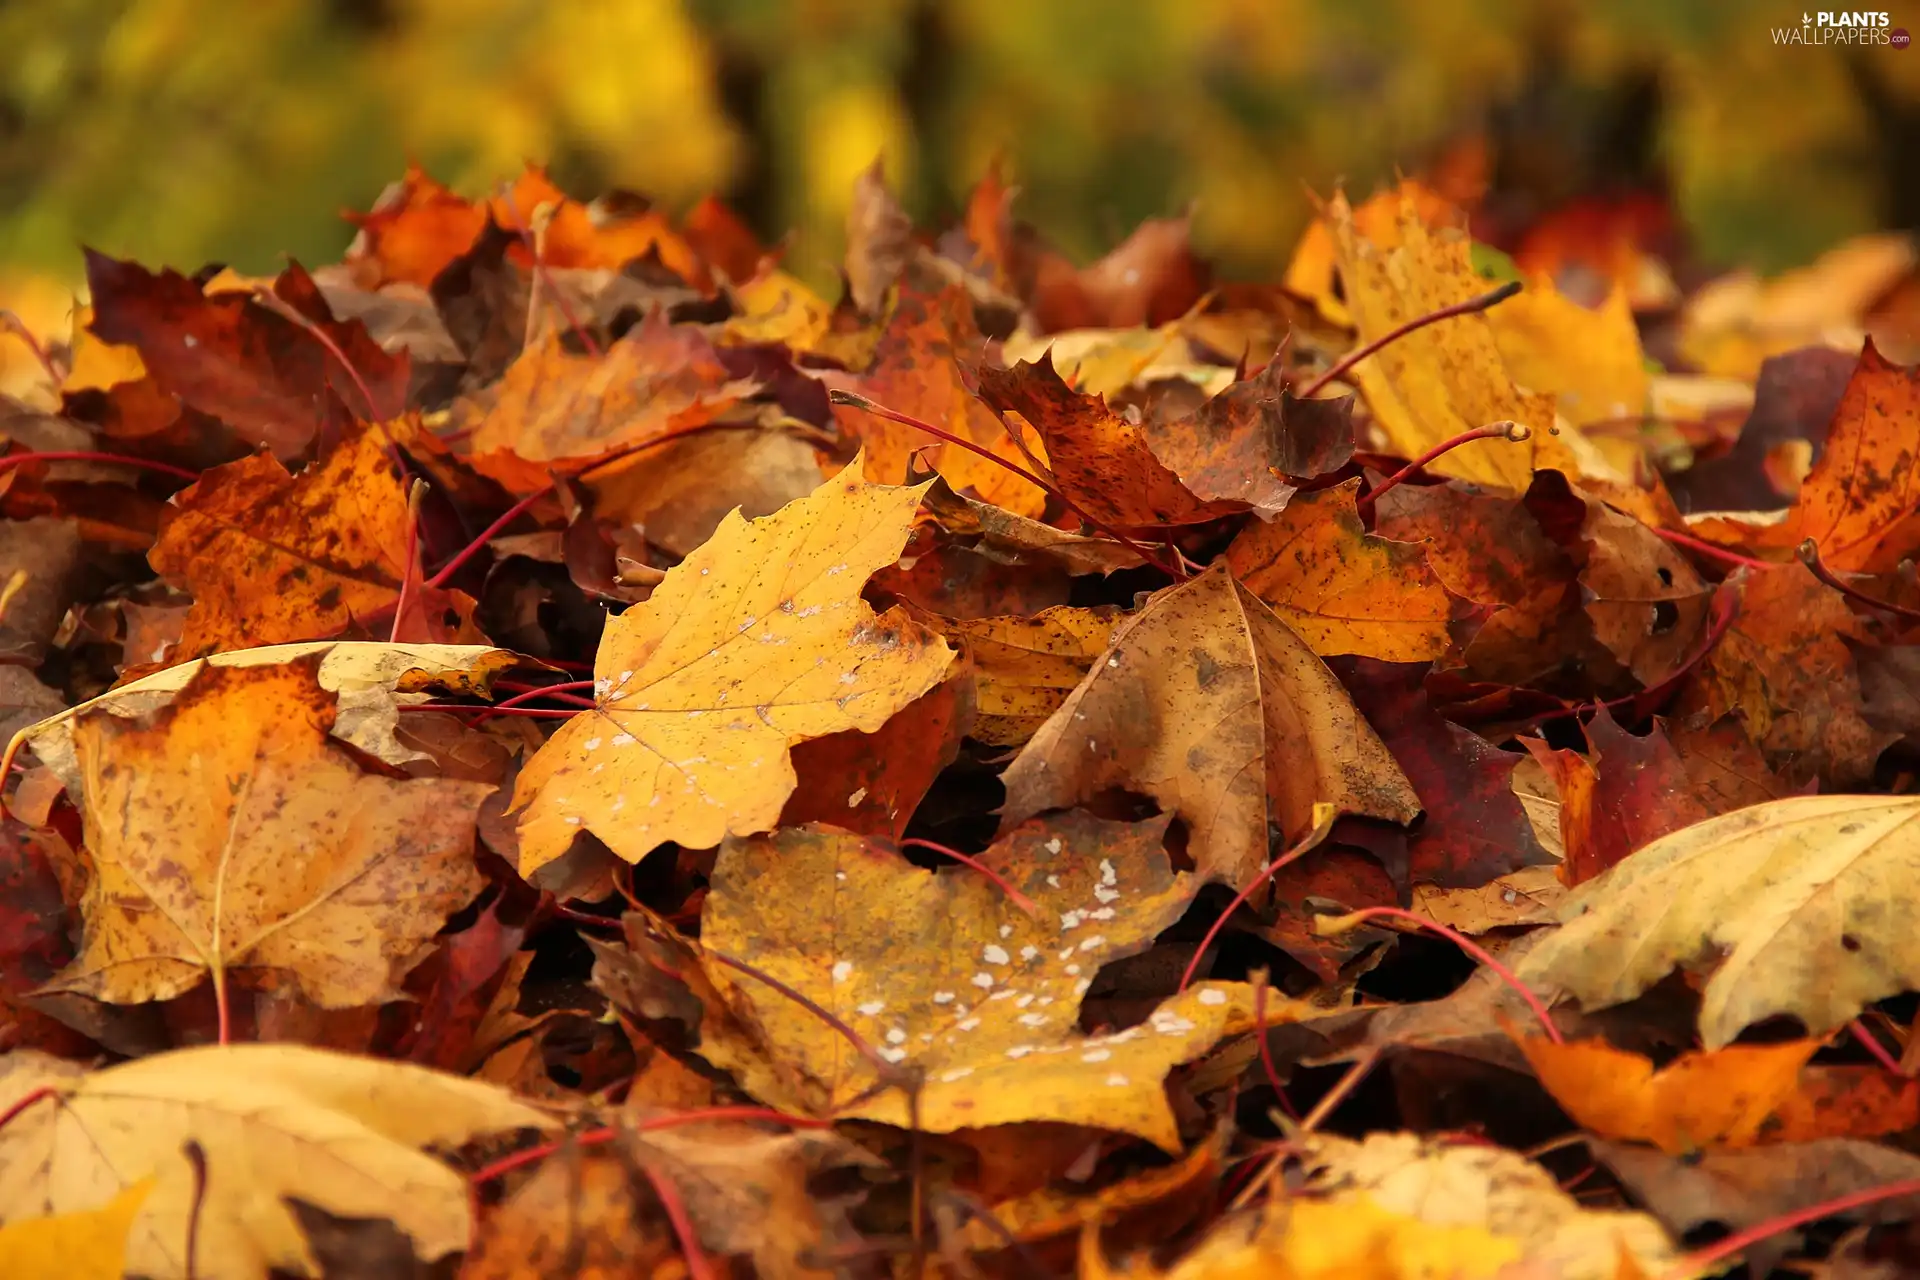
188 131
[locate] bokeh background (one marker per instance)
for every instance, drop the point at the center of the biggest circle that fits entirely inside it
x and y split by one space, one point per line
190 131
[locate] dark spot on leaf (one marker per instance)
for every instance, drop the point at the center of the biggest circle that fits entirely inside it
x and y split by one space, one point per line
1849 942
1666 616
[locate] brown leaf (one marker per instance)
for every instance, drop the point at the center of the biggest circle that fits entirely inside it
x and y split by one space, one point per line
1018 540
879 240
1794 399
1725 767
244 363
1784 669
1098 458
679 492
39 571
1150 278
1740 1189
871 783
1624 794
226 831
1207 703
1648 604
1024 667
1239 445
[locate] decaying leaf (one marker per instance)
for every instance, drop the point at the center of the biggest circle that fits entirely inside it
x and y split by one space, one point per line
756 641
1209 704
340 1132
1784 669
1760 894
1739 1189
1858 501
226 832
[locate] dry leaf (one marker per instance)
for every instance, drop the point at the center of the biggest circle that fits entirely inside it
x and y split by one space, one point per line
915 371
1097 457
227 832
369 680
1469 1184
556 411
81 1244
1024 667
756 641
342 1133
272 558
1447 378
1207 703
941 972
1768 890
1340 588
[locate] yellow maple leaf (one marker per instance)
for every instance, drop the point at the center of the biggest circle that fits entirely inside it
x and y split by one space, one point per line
940 971
1449 377
1589 358
756 641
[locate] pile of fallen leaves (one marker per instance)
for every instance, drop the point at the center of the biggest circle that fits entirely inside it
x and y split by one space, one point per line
550 749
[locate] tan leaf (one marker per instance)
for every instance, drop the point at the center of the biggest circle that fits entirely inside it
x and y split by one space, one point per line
554 410
1794 897
1210 705
340 1132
